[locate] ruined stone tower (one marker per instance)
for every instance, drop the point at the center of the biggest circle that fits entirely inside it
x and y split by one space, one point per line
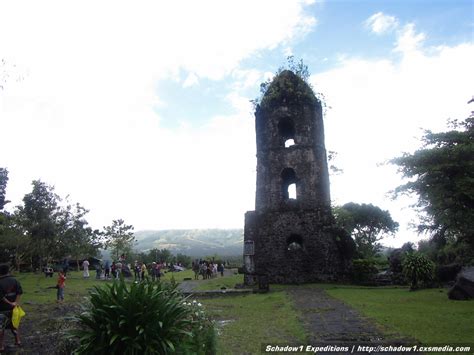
291 237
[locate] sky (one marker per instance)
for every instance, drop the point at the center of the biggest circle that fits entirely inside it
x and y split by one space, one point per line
141 110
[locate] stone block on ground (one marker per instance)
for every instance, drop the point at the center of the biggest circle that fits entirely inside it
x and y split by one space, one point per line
463 289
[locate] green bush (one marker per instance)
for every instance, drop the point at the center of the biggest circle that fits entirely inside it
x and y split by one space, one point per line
396 263
455 252
142 318
363 270
418 269
203 336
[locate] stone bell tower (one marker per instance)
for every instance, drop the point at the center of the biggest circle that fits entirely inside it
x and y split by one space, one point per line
291 236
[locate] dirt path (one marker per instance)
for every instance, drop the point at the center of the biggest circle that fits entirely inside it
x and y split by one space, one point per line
42 329
329 320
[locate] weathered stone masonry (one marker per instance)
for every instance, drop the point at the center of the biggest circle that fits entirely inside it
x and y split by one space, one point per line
292 240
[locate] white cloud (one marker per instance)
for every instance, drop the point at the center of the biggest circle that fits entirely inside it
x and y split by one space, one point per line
378 109
379 23
83 119
408 40
247 79
190 80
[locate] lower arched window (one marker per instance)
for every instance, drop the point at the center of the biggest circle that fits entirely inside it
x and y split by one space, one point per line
294 242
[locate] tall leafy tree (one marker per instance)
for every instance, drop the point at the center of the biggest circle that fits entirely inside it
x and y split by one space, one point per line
367 224
39 216
76 237
441 175
3 187
16 243
119 238
13 239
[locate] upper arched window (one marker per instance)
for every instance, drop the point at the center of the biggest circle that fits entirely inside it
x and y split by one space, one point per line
288 183
286 130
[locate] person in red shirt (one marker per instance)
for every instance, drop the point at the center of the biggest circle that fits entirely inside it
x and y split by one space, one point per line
60 286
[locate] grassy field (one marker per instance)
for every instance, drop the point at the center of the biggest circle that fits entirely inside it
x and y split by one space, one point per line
220 282
245 322
38 288
427 315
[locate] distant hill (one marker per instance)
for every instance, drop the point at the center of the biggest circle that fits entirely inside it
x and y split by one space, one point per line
193 242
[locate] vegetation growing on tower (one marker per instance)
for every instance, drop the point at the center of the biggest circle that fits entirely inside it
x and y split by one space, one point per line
289 85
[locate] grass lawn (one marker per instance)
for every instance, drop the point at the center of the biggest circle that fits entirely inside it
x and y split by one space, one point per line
426 315
36 287
219 282
178 276
247 322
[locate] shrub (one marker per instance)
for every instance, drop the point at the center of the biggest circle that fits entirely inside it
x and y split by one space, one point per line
417 268
363 270
455 252
396 263
143 318
203 336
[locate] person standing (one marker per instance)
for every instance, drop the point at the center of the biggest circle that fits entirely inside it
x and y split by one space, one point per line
153 271
85 266
107 270
10 293
114 270
220 268
61 284
118 268
144 272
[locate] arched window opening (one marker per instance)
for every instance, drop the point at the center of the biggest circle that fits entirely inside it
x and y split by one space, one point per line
292 191
288 183
289 143
294 242
286 129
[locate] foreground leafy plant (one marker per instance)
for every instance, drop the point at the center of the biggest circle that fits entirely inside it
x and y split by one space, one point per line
143 318
417 268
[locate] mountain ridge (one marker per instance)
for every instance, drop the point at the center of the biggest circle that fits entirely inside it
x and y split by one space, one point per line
193 242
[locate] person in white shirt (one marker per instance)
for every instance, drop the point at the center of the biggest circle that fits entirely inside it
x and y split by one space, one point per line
85 266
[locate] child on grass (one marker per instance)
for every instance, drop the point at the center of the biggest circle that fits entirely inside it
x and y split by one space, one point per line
60 286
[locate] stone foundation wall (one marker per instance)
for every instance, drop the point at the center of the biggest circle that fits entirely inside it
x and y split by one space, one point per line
314 255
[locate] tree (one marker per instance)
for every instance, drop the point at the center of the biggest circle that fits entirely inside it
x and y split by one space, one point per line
184 260
155 254
76 237
42 229
14 241
4 255
3 187
367 224
39 217
442 174
119 237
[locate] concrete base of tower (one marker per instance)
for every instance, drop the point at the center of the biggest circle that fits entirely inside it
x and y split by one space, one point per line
300 246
